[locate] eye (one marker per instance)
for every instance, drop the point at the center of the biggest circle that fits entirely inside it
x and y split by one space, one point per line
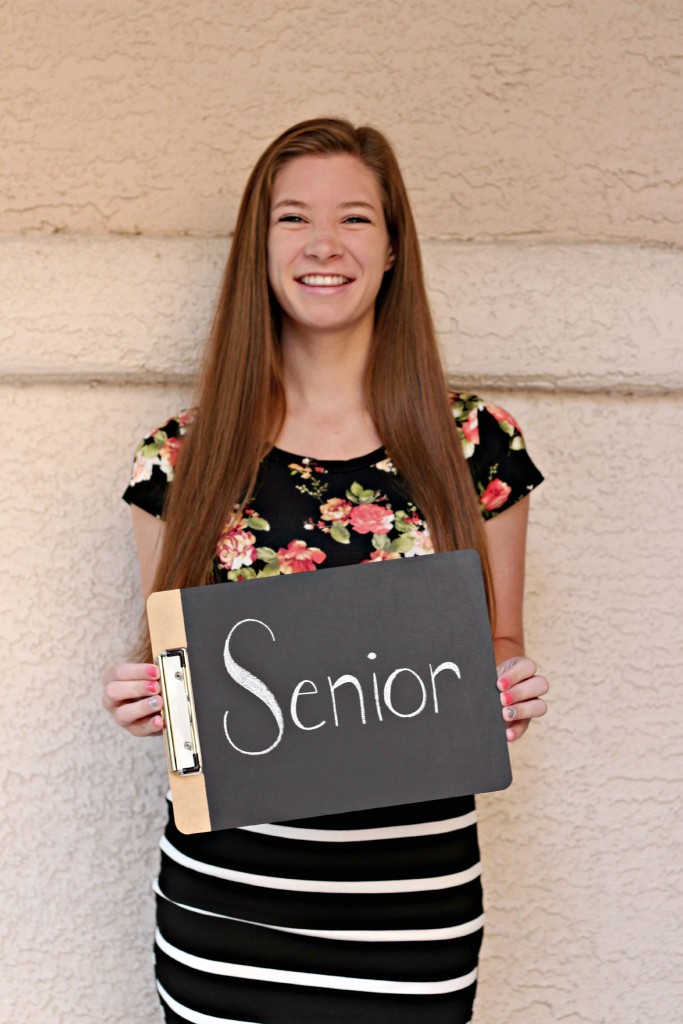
357 218
290 218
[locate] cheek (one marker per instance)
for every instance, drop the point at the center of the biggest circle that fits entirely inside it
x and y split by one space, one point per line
277 282
272 272
278 259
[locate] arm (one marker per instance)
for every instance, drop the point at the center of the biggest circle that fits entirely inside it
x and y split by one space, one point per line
521 690
149 535
131 691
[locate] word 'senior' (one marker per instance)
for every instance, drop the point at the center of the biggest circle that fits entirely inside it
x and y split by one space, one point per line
307 688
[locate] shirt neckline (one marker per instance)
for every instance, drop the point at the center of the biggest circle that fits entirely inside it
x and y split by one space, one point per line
330 465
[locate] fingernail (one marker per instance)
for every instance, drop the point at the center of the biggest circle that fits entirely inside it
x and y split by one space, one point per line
158 722
153 672
503 683
506 698
510 734
508 713
152 686
154 702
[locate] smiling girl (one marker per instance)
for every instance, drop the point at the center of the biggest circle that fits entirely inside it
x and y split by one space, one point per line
324 435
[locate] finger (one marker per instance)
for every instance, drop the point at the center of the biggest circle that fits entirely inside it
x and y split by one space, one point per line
513 732
151 726
537 686
130 670
526 710
523 668
118 692
128 714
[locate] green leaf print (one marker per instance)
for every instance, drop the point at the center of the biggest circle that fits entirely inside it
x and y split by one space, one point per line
359 495
380 542
256 523
400 523
270 569
151 450
241 574
402 544
506 426
339 533
517 443
266 554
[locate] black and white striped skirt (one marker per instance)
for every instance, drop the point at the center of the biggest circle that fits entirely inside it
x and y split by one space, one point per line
374 916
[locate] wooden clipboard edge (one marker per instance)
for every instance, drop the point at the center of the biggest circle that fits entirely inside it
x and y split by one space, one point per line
167 630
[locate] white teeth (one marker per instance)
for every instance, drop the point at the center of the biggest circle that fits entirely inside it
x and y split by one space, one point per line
323 279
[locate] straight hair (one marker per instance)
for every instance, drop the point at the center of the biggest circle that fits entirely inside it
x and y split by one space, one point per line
240 404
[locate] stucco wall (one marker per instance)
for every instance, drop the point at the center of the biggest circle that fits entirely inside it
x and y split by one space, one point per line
512 119
542 144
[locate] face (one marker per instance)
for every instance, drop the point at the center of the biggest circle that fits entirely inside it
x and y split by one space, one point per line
328 245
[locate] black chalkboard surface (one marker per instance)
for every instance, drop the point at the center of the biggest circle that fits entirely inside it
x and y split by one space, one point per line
336 690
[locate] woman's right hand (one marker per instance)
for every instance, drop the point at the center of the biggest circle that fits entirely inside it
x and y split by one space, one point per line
133 699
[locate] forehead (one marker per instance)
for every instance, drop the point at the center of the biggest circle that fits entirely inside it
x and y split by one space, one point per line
336 178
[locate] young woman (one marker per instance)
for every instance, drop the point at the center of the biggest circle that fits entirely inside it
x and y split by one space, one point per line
324 435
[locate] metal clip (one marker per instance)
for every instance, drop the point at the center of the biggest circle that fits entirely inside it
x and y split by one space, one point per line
180 734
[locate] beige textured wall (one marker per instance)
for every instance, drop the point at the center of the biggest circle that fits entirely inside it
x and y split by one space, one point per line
542 144
512 119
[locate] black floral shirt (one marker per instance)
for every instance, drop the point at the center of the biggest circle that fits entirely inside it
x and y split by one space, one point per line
308 514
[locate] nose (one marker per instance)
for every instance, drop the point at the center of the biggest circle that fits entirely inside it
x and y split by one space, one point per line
323 242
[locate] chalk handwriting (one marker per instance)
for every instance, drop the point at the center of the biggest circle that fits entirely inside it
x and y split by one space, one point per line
254 685
308 688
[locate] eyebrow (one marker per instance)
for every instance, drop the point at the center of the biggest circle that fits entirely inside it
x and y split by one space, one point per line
301 205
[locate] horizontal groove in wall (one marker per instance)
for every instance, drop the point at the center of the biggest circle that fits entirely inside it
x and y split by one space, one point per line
584 319
124 378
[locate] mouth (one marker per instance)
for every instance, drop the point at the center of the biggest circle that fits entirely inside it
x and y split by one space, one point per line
323 280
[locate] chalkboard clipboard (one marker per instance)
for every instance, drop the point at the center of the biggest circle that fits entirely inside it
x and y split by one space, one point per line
328 691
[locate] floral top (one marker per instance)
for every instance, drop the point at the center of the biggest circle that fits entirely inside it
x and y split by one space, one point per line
308 514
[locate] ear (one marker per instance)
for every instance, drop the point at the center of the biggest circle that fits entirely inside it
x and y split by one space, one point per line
391 259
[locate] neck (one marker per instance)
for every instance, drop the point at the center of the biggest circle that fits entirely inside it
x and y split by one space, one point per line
324 377
325 370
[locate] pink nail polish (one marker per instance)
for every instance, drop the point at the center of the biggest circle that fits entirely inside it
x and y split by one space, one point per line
152 686
503 682
506 698
153 671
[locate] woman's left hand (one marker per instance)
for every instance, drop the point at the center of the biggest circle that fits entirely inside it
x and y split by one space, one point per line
521 693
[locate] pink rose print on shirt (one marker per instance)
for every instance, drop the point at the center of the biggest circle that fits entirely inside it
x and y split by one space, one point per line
186 416
169 451
236 548
371 519
298 557
381 556
422 543
142 469
495 495
470 427
336 510
502 416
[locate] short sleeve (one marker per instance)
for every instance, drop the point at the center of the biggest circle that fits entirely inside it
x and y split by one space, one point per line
154 465
494 446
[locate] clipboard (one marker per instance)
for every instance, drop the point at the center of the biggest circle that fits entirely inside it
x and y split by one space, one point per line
328 691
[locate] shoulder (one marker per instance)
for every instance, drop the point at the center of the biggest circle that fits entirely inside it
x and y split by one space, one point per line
477 419
154 463
494 446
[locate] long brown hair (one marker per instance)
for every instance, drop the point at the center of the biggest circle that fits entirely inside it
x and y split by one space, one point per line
240 405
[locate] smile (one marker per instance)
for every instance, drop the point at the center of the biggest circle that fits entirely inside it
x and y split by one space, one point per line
323 280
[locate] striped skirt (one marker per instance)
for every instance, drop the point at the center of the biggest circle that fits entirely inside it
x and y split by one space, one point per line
374 916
